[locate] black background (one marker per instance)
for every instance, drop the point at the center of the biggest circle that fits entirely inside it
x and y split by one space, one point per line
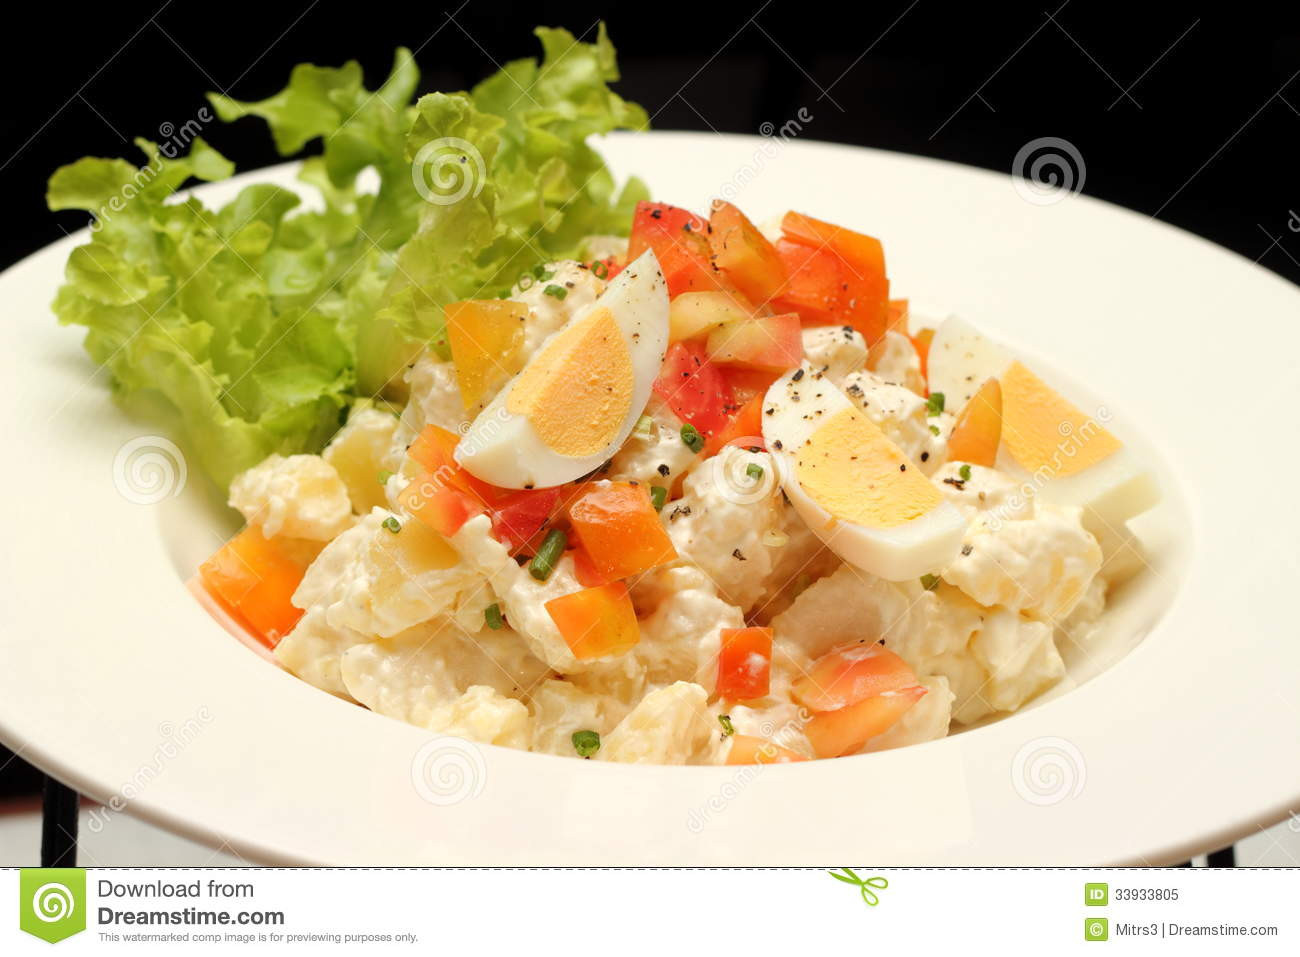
1187 112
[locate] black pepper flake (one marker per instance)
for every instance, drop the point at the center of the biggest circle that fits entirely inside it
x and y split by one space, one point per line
925 456
656 214
736 554
777 445
967 548
664 470
902 467
798 374
956 483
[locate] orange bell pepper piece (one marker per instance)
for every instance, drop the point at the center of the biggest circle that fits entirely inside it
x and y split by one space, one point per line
254 579
596 622
620 530
744 663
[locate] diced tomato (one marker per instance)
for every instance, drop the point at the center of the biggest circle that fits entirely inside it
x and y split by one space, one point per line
744 254
814 285
744 663
863 252
620 530
440 505
978 431
770 343
694 389
747 383
518 519
596 622
747 749
745 428
680 243
834 733
922 342
254 578
846 675
838 279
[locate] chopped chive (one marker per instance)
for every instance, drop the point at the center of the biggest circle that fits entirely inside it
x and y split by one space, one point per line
542 273
643 427
384 476
934 429
929 582
392 524
728 729
559 292
600 269
492 615
586 743
691 436
964 472
544 561
934 404
754 471
658 496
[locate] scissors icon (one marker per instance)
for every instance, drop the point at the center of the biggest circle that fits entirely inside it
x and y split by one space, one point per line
865 886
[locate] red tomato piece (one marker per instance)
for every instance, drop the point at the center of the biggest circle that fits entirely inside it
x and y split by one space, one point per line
745 428
694 388
517 519
680 243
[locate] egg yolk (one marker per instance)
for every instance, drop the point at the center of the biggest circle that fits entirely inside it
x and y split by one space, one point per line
1044 432
852 469
577 392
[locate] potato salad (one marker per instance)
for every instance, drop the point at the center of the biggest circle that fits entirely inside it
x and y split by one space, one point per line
713 497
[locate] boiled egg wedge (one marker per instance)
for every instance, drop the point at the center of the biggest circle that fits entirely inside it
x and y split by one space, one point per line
578 397
854 487
1059 453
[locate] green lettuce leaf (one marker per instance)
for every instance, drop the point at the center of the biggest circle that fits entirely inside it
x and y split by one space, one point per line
261 322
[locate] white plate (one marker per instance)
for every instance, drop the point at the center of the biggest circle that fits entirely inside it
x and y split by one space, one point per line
115 680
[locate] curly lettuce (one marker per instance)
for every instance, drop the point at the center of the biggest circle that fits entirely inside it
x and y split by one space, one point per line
260 322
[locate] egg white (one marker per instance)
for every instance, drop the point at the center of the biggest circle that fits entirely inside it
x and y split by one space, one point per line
920 546
1117 488
503 448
